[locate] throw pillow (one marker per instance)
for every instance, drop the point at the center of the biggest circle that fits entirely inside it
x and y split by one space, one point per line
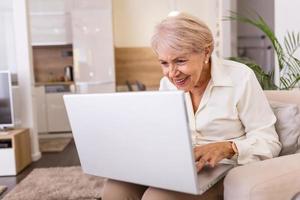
287 126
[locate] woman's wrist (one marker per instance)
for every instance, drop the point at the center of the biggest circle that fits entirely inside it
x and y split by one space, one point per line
232 149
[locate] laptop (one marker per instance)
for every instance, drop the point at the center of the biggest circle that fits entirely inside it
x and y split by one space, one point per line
138 137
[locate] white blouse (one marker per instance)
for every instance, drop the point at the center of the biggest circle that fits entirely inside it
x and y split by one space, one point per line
233 108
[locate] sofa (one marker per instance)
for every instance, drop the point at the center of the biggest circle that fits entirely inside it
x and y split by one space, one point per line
277 178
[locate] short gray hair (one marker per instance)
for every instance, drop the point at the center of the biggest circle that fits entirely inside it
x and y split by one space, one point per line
183 33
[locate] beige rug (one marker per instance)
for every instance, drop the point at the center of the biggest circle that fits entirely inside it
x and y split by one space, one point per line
57 183
54 144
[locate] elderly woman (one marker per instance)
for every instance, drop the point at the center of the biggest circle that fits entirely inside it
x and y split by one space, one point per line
230 118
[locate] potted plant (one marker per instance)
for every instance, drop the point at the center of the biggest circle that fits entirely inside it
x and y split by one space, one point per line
289 65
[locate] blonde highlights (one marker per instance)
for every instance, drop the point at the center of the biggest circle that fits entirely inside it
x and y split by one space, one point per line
183 33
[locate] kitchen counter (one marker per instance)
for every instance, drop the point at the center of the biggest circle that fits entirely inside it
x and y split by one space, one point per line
53 83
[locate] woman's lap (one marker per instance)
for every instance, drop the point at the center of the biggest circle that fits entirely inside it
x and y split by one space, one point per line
118 190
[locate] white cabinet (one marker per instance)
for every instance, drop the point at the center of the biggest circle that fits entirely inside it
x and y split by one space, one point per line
51 111
15 153
50 29
93 46
41 105
56 113
7 166
50 22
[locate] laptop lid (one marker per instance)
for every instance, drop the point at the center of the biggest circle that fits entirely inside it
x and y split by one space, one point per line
138 137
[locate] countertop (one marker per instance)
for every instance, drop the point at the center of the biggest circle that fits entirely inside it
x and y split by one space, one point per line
53 83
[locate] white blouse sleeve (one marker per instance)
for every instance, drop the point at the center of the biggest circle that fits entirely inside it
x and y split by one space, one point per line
255 113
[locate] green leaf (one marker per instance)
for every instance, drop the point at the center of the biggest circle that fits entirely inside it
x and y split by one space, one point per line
292 42
285 58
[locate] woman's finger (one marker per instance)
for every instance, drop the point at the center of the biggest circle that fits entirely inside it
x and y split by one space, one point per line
203 161
200 164
198 152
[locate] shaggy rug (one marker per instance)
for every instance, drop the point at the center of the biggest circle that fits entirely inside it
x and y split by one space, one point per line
57 183
54 144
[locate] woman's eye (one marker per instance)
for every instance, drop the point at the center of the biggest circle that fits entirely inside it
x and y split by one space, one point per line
181 62
164 64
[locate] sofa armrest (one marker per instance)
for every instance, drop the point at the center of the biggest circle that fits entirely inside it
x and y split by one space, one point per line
277 178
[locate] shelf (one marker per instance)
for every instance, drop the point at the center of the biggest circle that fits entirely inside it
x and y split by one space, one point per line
10 133
50 44
53 83
48 13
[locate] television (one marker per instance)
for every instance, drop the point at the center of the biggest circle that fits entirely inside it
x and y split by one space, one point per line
6 101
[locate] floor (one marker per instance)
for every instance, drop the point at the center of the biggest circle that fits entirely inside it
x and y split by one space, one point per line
68 157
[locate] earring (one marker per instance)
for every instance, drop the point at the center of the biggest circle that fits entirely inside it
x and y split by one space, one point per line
206 62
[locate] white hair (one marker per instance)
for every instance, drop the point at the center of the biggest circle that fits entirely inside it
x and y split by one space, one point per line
183 33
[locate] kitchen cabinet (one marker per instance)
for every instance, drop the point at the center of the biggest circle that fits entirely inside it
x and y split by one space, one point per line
93 47
41 108
57 118
51 112
50 22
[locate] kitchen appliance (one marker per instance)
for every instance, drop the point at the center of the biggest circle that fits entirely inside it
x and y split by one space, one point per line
68 73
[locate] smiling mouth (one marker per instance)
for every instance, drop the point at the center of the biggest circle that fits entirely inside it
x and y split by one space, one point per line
181 82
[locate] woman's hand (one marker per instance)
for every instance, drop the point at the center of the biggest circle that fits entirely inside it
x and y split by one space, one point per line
211 154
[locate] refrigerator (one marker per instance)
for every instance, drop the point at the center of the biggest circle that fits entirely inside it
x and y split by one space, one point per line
93 47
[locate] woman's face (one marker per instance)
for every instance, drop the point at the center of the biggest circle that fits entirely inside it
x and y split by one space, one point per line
183 70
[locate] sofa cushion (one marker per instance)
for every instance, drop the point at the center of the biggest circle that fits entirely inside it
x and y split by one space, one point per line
271 179
287 126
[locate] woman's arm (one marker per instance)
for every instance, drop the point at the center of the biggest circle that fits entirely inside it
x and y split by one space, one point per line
261 141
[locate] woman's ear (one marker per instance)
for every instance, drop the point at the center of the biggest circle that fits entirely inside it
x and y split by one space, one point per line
207 52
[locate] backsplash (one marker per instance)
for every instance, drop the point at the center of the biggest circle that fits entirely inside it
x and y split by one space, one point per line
49 62
131 64
137 64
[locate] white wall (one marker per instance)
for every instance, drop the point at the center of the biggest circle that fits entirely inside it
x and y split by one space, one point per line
228 29
206 10
287 18
7 43
25 71
134 20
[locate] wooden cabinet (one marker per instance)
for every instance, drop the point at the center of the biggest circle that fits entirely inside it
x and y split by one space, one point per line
15 151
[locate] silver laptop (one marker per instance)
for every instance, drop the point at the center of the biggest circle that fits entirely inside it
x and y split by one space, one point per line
138 137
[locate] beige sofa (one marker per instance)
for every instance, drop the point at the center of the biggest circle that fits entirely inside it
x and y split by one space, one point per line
277 178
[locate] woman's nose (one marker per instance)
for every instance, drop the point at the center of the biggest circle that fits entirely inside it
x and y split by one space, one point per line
172 71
